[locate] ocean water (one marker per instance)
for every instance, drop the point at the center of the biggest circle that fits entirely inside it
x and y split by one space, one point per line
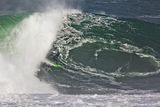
86 53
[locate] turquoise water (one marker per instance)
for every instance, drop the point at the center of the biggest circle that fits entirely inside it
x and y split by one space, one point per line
7 23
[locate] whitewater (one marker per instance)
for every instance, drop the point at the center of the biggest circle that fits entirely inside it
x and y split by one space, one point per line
25 48
105 55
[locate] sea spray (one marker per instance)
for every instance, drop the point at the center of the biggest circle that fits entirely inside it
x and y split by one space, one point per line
31 40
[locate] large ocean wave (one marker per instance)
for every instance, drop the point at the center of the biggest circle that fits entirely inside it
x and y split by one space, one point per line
100 54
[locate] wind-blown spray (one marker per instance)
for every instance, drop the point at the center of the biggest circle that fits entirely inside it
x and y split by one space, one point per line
32 40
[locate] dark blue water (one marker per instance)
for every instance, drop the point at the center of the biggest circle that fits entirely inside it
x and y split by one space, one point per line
143 9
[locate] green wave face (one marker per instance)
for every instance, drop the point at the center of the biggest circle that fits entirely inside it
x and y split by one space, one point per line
7 23
99 53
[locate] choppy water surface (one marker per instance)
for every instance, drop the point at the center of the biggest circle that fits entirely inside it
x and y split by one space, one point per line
111 100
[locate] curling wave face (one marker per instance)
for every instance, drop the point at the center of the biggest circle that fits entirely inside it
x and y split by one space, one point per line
101 54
